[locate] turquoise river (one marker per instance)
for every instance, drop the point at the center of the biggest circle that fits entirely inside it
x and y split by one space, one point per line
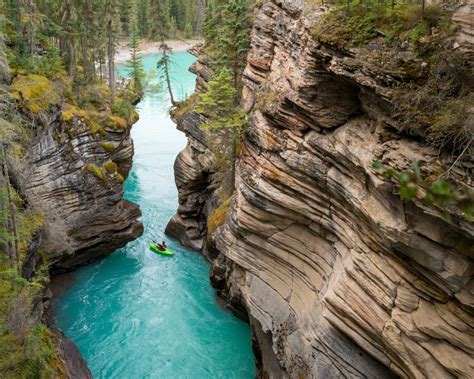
136 314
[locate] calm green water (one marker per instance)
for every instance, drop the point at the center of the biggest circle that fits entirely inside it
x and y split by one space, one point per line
136 314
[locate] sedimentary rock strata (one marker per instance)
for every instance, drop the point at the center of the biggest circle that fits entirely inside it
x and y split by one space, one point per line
85 213
339 276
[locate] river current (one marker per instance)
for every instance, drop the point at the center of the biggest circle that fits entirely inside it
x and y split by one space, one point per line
136 314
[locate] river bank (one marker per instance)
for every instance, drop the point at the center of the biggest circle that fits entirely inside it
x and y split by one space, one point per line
150 47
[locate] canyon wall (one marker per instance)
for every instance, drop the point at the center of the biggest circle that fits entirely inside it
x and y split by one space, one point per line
62 174
338 275
194 170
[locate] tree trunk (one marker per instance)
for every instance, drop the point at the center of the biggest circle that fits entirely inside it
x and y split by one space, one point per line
84 42
164 49
111 59
85 57
31 32
168 82
15 255
71 57
201 15
101 69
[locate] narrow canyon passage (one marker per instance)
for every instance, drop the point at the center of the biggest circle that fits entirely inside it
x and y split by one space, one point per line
136 314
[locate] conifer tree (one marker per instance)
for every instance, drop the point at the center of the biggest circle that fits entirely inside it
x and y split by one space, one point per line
163 65
137 71
225 121
227 33
111 22
160 19
142 18
234 38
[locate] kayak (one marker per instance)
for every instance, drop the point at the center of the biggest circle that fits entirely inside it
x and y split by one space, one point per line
162 252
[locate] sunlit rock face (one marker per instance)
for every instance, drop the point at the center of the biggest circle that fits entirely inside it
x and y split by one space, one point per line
85 214
339 276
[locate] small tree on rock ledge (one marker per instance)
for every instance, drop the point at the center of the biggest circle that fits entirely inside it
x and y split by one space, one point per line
225 123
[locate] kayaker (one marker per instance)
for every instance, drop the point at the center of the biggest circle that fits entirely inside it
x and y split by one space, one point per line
161 246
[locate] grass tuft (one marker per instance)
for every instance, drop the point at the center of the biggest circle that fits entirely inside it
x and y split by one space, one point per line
218 217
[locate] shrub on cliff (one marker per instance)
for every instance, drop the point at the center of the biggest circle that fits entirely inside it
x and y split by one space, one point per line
225 123
415 186
26 346
385 23
430 79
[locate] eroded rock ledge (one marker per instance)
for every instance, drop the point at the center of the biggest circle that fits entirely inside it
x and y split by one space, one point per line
339 276
85 214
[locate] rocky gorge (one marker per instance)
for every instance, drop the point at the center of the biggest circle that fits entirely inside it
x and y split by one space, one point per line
338 276
66 171
65 174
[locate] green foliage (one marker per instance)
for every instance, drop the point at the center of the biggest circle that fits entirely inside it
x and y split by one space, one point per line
184 106
227 36
358 24
227 33
97 171
50 65
219 105
36 93
412 185
109 147
124 109
225 123
267 99
108 170
438 104
142 18
119 177
430 85
452 124
92 96
135 64
110 167
26 348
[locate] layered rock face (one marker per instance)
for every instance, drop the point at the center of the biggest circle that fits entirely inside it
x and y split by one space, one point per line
340 277
194 170
63 175
343 277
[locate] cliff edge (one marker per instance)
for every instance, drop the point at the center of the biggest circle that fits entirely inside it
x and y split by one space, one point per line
339 276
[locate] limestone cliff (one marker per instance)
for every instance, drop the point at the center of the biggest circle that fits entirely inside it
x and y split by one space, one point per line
73 175
339 276
68 171
194 170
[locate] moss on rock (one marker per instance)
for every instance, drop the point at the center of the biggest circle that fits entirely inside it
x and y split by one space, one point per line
218 217
95 170
120 177
115 122
110 167
36 93
109 147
